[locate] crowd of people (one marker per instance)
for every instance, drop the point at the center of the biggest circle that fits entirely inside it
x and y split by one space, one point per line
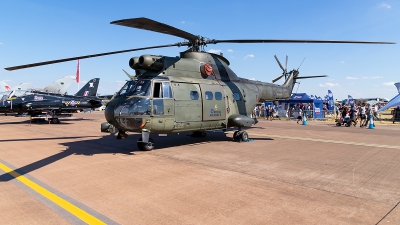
267 111
358 114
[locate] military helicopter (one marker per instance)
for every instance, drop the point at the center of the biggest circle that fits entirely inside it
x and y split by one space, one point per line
195 92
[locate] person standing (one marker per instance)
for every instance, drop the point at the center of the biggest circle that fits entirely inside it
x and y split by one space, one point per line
362 114
396 116
368 114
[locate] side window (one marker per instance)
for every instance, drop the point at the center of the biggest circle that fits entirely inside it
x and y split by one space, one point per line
166 87
157 93
194 95
218 95
236 96
209 95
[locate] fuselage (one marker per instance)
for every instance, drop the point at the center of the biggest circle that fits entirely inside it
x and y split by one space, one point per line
182 96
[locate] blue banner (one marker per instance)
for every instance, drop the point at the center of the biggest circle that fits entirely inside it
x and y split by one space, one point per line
318 110
350 101
331 104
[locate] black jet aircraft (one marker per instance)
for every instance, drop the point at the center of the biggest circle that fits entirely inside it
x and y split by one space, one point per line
35 103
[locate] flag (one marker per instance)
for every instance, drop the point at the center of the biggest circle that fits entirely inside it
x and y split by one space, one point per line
77 73
330 100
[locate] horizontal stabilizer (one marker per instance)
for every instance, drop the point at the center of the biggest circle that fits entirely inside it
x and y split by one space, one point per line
311 77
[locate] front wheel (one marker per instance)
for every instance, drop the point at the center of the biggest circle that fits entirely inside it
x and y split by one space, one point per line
145 146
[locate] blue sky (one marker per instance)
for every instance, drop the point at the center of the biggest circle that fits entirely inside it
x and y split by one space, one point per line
42 30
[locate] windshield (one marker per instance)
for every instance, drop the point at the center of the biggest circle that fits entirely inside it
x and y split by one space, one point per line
126 87
141 88
136 87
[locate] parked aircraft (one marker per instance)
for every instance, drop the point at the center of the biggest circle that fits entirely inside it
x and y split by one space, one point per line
35 103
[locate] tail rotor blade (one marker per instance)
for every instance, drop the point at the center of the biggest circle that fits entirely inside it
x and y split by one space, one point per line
286 67
276 79
280 65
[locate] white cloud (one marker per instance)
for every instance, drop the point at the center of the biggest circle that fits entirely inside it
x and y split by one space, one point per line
329 85
388 84
351 78
377 77
365 77
215 51
342 61
1 43
230 50
385 5
183 22
249 56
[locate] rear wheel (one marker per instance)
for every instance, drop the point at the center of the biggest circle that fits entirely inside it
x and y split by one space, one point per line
244 136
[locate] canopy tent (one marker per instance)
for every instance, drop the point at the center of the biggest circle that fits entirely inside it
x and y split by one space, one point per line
304 98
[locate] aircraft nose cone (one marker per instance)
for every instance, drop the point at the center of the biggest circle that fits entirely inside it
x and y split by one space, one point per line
109 113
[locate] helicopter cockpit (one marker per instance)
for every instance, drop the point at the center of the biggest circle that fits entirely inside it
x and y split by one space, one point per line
138 99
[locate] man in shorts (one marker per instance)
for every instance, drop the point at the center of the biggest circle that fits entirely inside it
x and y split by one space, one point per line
362 114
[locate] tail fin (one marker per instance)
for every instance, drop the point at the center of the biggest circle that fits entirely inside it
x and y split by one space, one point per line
59 86
4 87
90 88
22 86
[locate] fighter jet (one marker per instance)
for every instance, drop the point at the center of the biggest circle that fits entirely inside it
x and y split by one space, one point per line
36 102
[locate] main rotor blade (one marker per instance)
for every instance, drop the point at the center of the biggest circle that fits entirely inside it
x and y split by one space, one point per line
90 56
295 41
280 65
151 25
306 77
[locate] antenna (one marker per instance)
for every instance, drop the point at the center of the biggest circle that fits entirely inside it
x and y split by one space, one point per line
298 85
301 63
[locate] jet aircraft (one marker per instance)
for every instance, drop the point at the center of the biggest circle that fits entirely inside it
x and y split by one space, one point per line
35 103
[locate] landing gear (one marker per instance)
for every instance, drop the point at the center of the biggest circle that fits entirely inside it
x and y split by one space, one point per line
55 121
199 134
240 136
122 135
145 146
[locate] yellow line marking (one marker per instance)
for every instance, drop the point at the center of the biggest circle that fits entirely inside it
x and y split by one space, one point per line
81 214
330 141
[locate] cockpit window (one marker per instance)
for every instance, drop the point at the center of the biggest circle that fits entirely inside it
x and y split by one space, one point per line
136 87
126 87
141 88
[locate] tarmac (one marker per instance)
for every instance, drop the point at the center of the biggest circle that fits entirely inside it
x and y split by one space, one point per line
71 173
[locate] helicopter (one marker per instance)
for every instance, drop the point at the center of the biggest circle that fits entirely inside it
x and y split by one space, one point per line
195 92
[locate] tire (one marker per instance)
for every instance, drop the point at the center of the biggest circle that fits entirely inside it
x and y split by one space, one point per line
244 136
235 137
145 146
338 124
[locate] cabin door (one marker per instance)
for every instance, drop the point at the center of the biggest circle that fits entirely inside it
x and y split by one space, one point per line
214 103
187 98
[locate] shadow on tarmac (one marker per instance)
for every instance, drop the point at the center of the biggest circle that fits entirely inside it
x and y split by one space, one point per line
110 145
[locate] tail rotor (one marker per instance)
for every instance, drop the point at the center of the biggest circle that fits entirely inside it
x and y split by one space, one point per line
284 70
